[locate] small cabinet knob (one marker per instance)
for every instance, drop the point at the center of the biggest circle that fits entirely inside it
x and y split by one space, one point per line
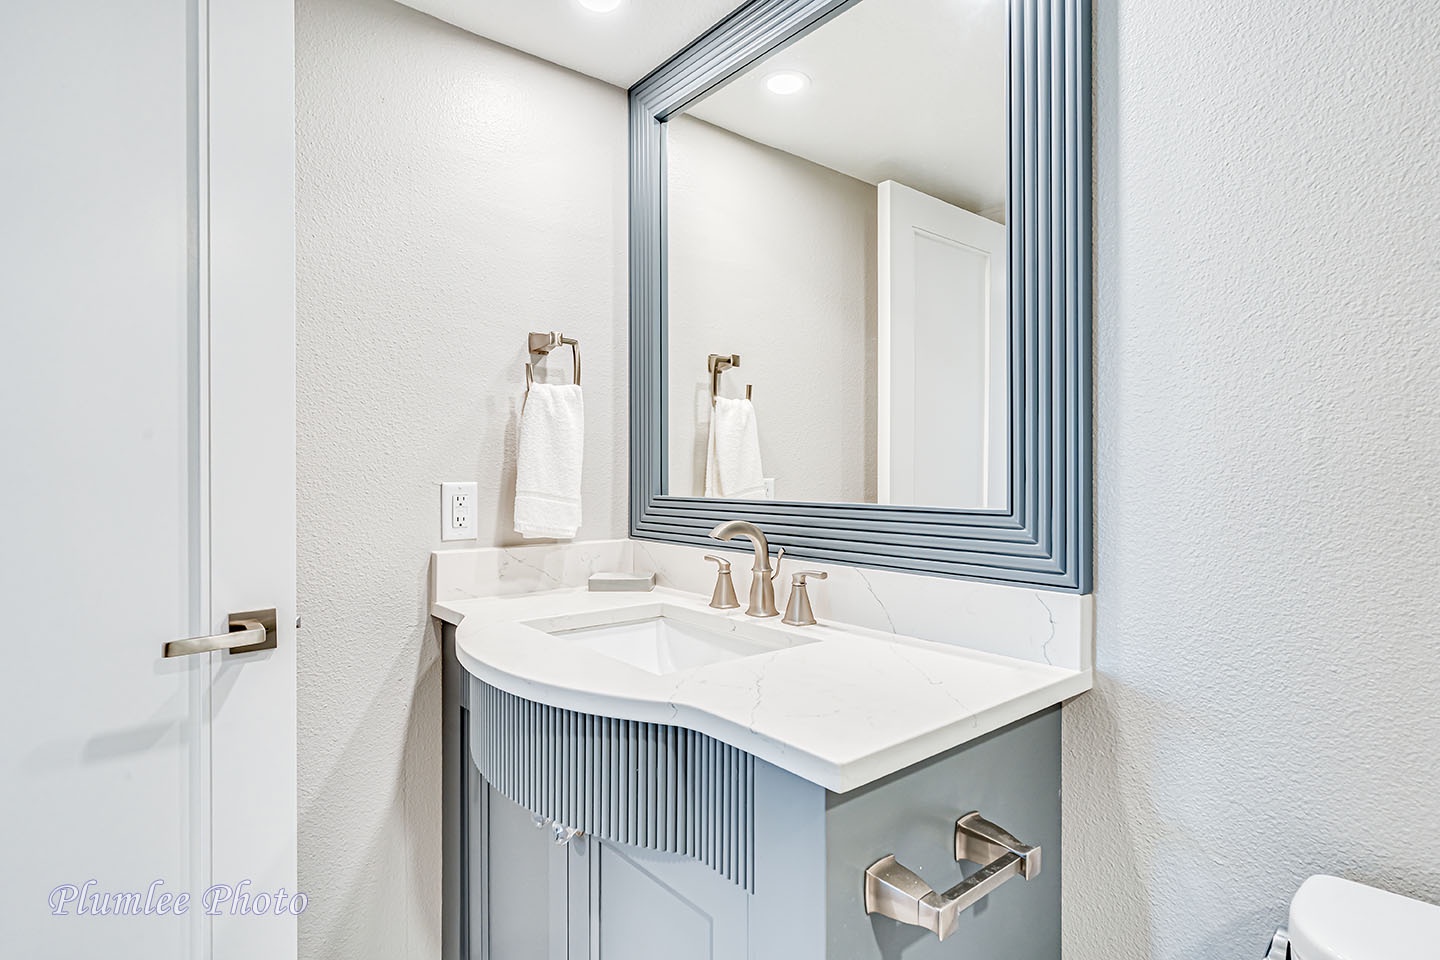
798 612
724 596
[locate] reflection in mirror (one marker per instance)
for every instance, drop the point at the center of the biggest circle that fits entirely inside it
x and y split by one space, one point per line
836 250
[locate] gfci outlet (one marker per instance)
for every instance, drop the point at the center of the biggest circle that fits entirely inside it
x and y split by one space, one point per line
457 511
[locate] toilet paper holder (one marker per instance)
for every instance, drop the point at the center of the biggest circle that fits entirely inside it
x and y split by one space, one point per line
895 891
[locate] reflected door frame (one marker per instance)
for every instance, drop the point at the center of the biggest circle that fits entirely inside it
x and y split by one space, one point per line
942 330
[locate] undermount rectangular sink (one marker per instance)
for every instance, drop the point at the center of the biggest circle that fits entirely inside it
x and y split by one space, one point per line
663 645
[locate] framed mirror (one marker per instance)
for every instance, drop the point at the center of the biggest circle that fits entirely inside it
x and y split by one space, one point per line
860 285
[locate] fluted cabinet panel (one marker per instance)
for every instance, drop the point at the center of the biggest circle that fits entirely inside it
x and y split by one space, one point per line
650 785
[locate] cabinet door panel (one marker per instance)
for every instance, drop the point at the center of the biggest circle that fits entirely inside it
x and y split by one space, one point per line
655 906
523 886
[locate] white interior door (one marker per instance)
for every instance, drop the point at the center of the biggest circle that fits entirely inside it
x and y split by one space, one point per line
943 367
146 477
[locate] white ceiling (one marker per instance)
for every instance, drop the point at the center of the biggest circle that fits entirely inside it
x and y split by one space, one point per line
618 47
908 90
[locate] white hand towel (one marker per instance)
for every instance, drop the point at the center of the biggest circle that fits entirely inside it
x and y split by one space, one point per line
547 469
732 459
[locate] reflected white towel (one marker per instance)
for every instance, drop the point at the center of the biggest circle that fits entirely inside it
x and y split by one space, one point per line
732 458
547 468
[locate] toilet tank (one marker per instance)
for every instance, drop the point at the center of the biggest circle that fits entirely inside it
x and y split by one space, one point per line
1335 919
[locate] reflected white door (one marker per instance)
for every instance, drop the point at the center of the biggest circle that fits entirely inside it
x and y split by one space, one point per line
943 375
146 476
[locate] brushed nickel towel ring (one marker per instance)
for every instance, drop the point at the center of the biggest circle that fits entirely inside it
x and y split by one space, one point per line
543 343
718 364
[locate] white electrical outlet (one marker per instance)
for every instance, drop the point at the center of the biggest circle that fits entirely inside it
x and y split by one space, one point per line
457 511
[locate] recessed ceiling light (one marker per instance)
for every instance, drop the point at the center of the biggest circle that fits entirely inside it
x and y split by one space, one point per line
600 6
787 82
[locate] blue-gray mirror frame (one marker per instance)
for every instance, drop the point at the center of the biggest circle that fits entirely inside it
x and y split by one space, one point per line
1044 539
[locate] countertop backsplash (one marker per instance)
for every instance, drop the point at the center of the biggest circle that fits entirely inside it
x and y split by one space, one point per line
1042 626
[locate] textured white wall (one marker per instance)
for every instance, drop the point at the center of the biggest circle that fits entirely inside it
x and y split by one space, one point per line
772 257
1267 457
453 195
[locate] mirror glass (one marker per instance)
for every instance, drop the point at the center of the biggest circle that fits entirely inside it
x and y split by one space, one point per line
836 250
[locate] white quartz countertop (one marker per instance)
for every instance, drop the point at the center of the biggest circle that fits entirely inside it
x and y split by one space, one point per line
841 708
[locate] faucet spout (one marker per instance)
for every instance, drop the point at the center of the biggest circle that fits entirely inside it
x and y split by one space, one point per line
762 577
744 528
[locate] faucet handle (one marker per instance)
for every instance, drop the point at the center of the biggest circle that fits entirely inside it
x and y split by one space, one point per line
723 598
798 612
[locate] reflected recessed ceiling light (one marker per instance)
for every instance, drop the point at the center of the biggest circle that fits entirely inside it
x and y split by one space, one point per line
600 6
787 82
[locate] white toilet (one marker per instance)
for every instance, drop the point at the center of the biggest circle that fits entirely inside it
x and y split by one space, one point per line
1334 919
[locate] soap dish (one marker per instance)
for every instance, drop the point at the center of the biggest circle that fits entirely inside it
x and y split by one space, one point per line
622 582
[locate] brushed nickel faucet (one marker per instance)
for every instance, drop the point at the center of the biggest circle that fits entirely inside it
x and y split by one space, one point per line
762 577
798 612
723 597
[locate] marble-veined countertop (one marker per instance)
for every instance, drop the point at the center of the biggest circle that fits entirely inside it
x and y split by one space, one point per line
842 707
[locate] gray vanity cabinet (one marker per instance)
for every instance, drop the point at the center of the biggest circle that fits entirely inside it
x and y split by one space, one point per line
519 895
644 903
589 899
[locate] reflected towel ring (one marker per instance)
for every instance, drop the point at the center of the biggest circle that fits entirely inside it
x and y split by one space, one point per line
543 343
718 364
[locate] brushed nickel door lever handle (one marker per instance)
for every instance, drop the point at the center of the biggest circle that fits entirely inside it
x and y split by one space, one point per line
249 631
